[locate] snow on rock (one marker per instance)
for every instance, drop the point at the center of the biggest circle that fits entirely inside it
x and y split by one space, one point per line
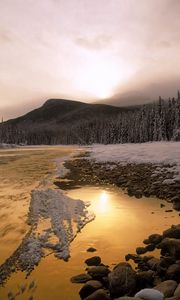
149 294
163 154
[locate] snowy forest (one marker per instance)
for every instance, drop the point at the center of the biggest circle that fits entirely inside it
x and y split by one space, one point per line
158 121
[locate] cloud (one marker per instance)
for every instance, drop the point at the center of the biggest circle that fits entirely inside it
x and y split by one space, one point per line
98 42
5 36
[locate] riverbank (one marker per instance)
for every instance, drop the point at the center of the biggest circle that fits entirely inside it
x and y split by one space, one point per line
151 169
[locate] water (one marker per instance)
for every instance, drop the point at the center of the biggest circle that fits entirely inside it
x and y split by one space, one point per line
120 226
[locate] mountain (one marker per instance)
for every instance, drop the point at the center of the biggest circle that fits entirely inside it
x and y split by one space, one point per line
57 111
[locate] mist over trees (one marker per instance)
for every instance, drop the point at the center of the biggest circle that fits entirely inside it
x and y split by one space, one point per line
159 121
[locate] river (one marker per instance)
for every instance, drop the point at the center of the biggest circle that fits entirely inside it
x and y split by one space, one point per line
121 223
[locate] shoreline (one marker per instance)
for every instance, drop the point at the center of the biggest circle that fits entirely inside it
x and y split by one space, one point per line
135 179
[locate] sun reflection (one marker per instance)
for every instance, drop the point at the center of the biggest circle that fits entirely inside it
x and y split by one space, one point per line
103 197
103 203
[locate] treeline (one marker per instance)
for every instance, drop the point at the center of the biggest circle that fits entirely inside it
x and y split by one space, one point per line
159 121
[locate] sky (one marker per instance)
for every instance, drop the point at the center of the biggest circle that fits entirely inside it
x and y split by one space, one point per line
87 50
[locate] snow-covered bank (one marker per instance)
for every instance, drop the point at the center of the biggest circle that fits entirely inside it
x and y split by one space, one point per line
166 154
8 146
156 152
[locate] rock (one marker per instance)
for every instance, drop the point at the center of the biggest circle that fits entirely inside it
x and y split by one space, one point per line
98 295
128 298
162 205
167 288
153 263
136 258
149 294
177 291
168 210
173 272
176 203
81 278
173 232
173 298
150 247
122 280
145 278
93 261
141 250
91 249
89 288
170 246
155 238
98 272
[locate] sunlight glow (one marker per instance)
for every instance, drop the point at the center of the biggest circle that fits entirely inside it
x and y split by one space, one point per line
103 197
103 203
100 75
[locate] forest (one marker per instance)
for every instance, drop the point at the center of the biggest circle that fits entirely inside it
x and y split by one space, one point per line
158 121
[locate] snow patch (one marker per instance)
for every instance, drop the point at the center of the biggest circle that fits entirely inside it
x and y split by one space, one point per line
164 155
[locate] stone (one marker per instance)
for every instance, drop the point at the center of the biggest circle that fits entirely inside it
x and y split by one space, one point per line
173 298
167 287
173 232
155 238
145 278
176 203
98 272
150 247
128 298
122 280
98 295
153 263
91 249
177 291
173 272
93 261
149 294
81 278
170 246
141 250
89 288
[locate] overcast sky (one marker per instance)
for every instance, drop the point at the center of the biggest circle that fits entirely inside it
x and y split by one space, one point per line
86 50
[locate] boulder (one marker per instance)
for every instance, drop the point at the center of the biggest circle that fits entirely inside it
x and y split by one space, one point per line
93 261
81 278
145 278
173 232
89 288
150 247
98 295
173 298
153 263
176 203
128 298
167 288
141 250
91 249
149 294
173 272
98 272
122 280
155 238
170 246
177 291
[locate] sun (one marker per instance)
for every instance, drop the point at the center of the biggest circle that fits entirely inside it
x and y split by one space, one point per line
99 76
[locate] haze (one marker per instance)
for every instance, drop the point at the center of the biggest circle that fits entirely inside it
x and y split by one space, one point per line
87 50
